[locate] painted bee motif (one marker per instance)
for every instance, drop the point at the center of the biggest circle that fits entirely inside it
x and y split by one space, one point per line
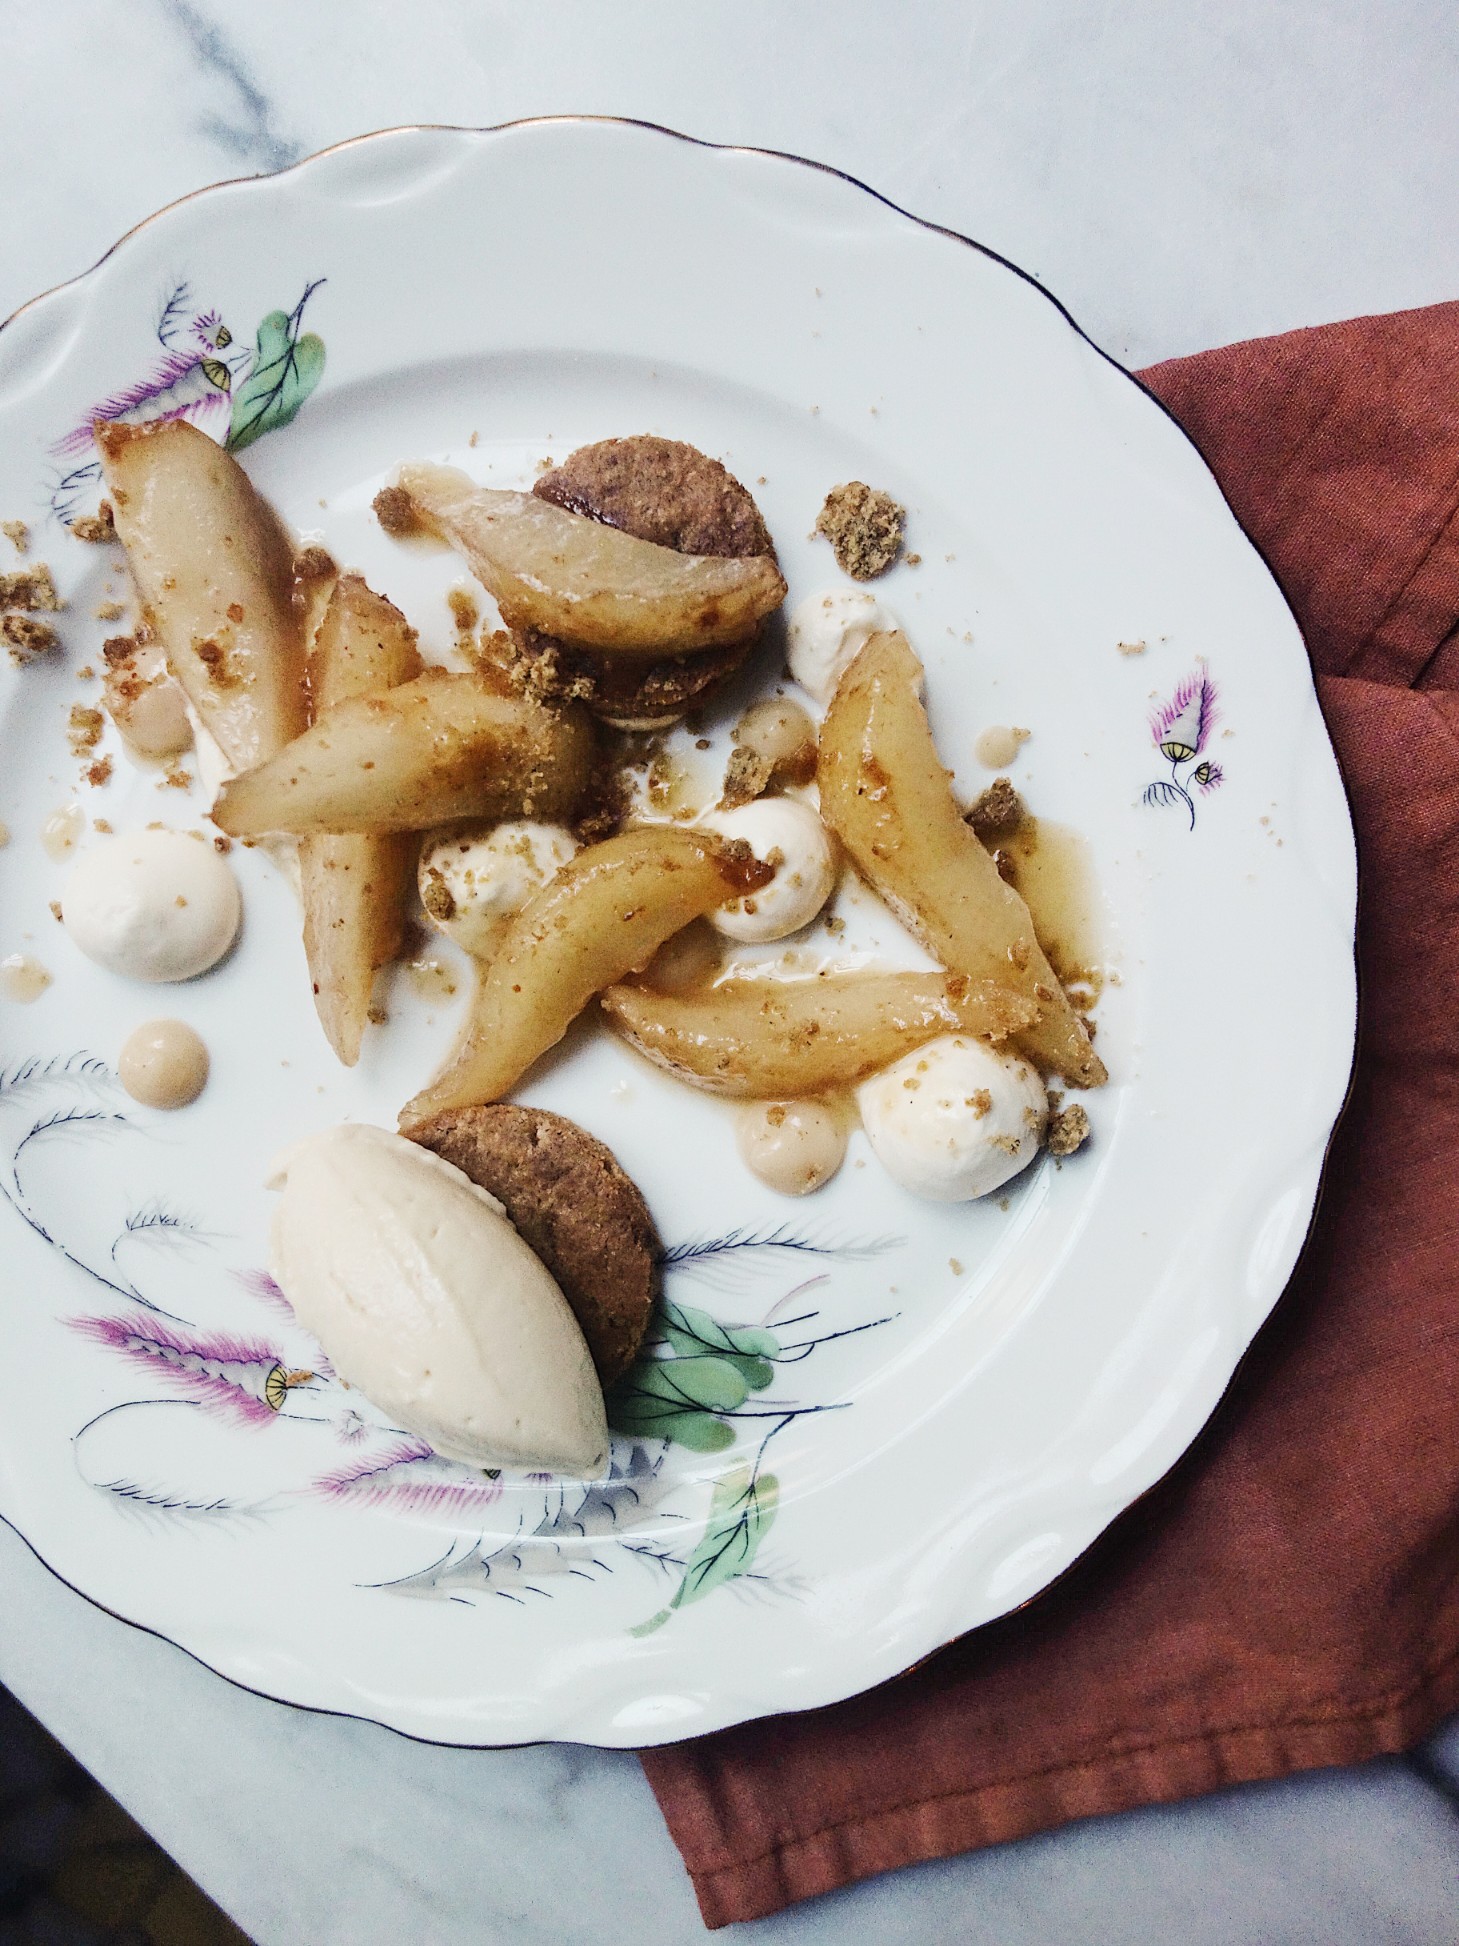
191 380
1180 728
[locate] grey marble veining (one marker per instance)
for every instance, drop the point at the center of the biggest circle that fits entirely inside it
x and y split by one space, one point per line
244 124
1179 177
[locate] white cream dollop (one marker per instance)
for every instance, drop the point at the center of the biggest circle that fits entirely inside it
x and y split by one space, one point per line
828 631
154 906
472 883
788 836
424 1296
955 1119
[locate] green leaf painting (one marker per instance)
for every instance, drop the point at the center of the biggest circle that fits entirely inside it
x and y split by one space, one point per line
287 365
661 1400
710 1370
697 1383
740 1514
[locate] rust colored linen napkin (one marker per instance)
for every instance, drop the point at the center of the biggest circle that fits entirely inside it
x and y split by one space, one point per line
1289 1597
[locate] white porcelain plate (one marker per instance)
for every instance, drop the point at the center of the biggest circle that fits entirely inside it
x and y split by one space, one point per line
899 1419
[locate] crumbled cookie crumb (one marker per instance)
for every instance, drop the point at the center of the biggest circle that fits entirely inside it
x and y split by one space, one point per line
98 773
395 511
464 611
1067 1131
539 668
997 811
176 779
605 803
914 560
436 896
30 588
214 658
864 527
56 912
17 533
27 640
377 1015
102 825
312 563
1130 648
110 611
97 528
222 843
746 776
86 673
83 729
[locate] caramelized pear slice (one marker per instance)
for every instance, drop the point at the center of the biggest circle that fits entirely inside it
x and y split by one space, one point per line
783 1039
354 886
439 748
215 576
590 584
605 914
886 795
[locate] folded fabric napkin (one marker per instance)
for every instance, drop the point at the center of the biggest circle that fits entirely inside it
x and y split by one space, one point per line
1289 1597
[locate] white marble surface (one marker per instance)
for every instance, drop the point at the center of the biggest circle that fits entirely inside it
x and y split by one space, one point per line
1180 177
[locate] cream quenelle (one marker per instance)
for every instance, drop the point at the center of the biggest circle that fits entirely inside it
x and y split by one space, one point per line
955 1119
788 836
472 882
826 634
156 906
425 1297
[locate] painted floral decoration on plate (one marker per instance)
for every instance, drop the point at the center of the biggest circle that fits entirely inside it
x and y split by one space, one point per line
235 1414
231 393
1180 728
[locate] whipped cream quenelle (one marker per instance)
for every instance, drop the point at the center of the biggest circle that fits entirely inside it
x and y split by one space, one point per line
425 1297
955 1119
156 906
470 885
828 631
788 836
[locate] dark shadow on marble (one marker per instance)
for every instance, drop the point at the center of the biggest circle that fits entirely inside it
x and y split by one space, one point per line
75 1870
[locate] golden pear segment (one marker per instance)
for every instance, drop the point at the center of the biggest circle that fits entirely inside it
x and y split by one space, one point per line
604 915
354 887
214 575
785 1039
441 747
886 795
590 584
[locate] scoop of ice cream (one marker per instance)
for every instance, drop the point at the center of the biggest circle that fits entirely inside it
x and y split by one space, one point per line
788 836
154 906
471 884
826 633
954 1119
426 1298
